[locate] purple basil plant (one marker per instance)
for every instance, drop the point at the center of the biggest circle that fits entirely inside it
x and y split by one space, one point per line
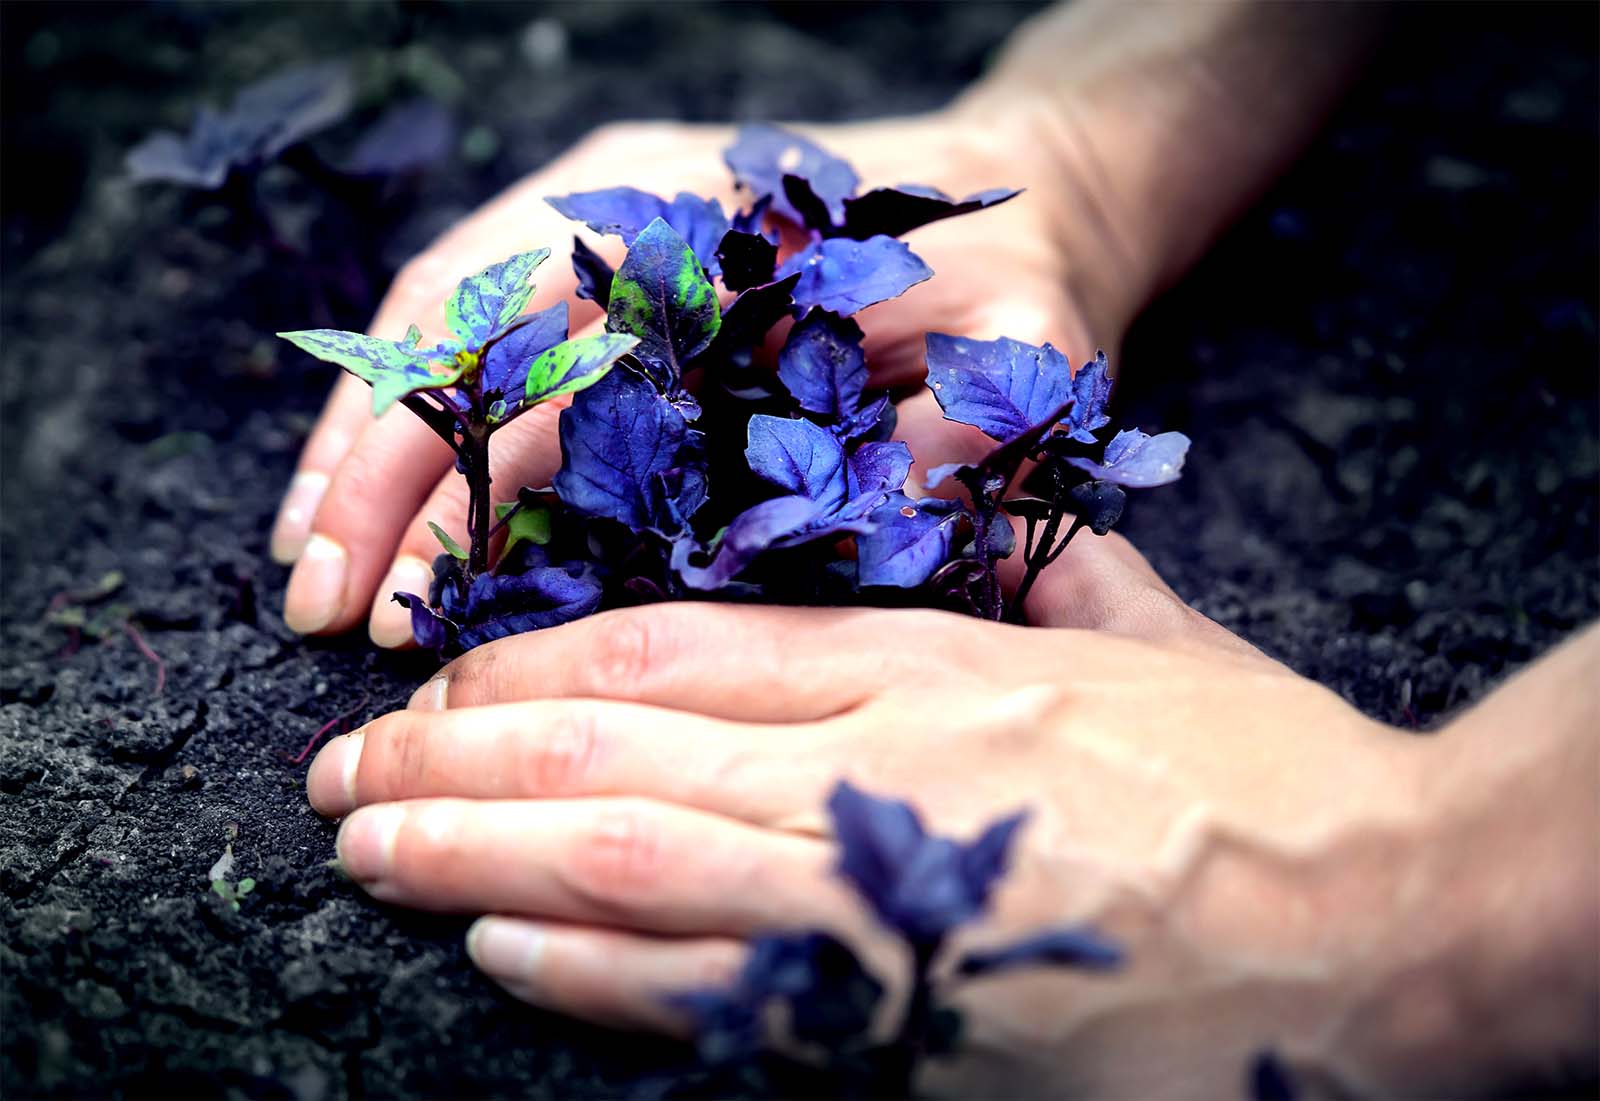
921 888
690 471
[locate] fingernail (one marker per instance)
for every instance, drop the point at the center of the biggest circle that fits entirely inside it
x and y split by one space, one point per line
331 781
505 949
366 841
316 587
431 696
293 526
390 625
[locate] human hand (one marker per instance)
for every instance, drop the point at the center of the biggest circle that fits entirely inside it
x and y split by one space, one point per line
635 792
366 490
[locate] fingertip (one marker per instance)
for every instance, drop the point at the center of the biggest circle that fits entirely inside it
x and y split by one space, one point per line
292 528
432 696
316 591
390 623
506 949
331 780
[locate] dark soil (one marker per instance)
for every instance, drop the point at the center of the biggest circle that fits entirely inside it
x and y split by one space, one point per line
1389 372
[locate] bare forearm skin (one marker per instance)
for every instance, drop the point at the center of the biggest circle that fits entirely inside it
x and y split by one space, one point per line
1168 119
1516 812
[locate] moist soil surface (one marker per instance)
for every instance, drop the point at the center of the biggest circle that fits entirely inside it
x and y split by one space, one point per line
1388 369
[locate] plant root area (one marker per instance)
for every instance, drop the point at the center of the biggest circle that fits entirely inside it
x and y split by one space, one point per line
1388 369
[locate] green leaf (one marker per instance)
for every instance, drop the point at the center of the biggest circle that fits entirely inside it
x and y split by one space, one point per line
392 370
246 885
661 295
221 888
573 365
526 524
448 543
492 299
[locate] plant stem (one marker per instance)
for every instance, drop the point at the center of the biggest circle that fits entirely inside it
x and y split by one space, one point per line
480 510
912 1039
1037 562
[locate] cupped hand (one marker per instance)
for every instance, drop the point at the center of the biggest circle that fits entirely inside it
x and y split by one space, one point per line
354 520
631 794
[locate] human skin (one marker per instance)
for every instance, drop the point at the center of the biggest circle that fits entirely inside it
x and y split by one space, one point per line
635 792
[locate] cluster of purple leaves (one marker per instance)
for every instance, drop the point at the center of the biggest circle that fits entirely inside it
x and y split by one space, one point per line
921 888
279 112
690 471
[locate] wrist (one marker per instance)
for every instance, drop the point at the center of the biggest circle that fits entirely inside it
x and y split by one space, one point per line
1491 977
1159 124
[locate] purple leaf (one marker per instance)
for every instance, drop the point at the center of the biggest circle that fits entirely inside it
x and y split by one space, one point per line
918 885
430 630
984 861
877 418
543 596
1002 387
407 137
750 221
199 161
908 542
748 534
615 438
1139 461
762 155
292 105
823 365
677 495
845 276
808 206
877 468
798 456
265 118
594 274
1099 504
1091 391
661 295
1074 946
505 368
831 998
892 211
747 260
828 494
748 317
626 212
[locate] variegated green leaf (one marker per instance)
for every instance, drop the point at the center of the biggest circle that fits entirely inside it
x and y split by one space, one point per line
484 303
392 370
661 295
574 364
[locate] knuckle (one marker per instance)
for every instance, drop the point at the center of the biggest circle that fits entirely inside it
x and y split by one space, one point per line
565 758
717 968
393 757
616 863
633 650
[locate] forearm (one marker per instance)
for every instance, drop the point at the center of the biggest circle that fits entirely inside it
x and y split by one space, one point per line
1505 982
1168 119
